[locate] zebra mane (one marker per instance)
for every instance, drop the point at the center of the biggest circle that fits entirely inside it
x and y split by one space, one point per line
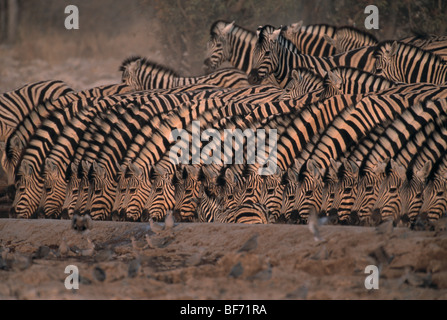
362 32
416 49
215 27
146 63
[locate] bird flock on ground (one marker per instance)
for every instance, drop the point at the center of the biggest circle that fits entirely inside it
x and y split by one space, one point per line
360 127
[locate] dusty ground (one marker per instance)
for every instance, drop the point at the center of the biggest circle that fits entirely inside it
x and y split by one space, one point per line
200 261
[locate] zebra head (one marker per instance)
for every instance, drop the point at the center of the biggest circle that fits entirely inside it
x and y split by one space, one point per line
412 190
187 184
101 191
219 46
388 203
386 56
161 197
11 157
333 84
345 191
265 58
434 196
330 183
231 188
136 193
308 191
54 189
121 189
209 205
290 184
130 72
28 191
73 177
369 181
302 81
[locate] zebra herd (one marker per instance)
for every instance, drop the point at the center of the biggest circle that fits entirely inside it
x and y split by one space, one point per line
361 133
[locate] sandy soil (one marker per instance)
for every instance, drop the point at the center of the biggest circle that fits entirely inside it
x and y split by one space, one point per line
201 261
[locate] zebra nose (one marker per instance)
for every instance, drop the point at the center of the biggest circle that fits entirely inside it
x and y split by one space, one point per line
145 215
207 62
253 77
12 213
294 217
64 214
333 216
40 213
376 217
354 217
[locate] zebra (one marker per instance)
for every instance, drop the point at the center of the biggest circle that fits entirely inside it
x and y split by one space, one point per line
433 43
187 184
434 197
302 81
143 74
17 104
405 63
349 38
347 80
38 149
311 39
230 42
400 193
271 56
394 138
344 132
21 136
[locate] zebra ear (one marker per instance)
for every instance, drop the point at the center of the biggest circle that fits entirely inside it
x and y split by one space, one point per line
335 165
26 167
394 48
335 79
50 165
296 75
381 166
135 169
229 176
227 28
86 165
313 169
399 169
16 143
330 40
298 164
295 27
291 176
424 171
274 35
74 166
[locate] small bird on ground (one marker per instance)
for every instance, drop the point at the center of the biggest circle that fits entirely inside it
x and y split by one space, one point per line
250 244
169 220
99 274
41 253
64 249
236 271
149 241
81 223
314 225
134 266
385 227
155 227
137 247
90 249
